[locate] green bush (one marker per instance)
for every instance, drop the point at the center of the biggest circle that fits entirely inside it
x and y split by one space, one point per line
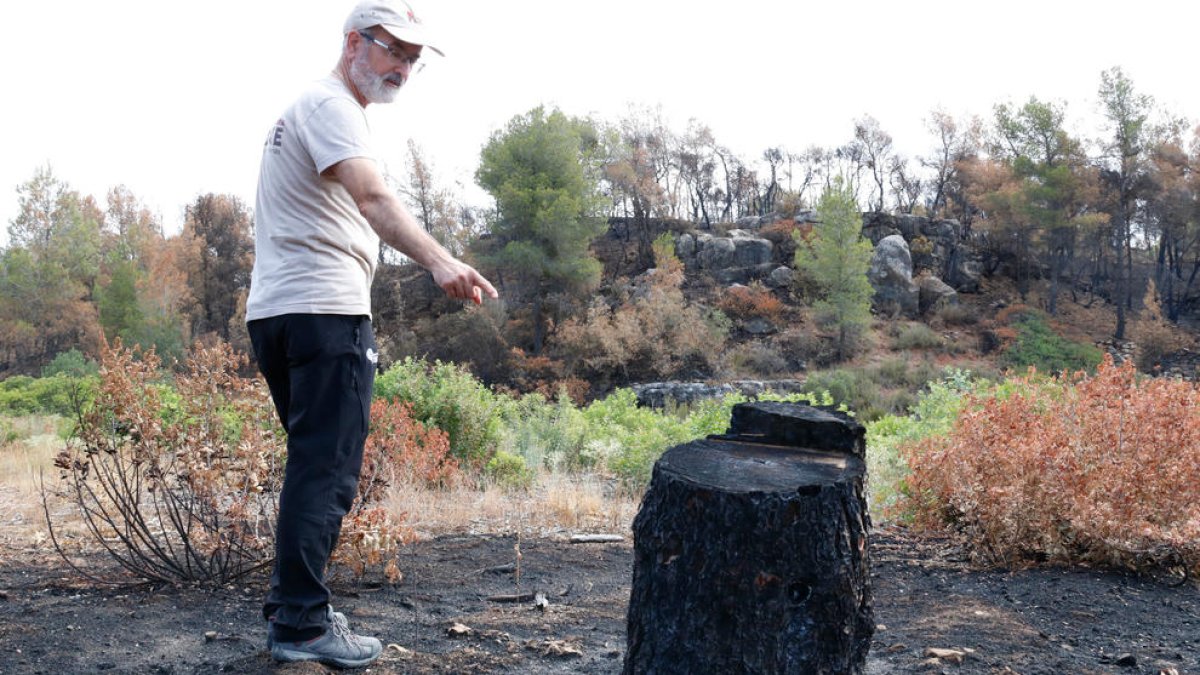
918 336
636 437
756 359
905 373
511 440
56 395
801 348
8 433
955 315
933 413
509 471
548 435
853 388
448 397
628 439
1039 346
71 363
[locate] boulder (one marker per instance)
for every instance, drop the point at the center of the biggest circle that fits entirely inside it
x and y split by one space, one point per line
739 258
660 394
805 216
940 247
780 277
934 293
964 270
714 253
743 275
685 247
751 251
891 277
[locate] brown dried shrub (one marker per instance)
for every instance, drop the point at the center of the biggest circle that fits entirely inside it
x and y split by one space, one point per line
174 483
1093 469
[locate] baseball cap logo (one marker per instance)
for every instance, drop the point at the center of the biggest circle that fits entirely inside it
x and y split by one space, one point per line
397 17
412 16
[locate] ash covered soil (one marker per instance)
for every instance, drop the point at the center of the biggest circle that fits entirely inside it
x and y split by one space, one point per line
928 596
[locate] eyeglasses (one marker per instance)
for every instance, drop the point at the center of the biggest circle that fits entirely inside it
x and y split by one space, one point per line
414 63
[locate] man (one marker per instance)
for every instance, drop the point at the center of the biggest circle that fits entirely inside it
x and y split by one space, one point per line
322 208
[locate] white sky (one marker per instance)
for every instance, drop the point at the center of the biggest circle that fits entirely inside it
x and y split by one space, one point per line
174 99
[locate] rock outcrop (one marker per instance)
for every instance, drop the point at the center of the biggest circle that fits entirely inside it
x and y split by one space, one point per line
891 277
939 247
934 293
659 394
735 259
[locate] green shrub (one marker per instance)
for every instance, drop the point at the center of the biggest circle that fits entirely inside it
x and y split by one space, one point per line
900 372
628 439
548 435
71 363
918 336
509 471
933 413
756 359
893 372
450 398
1039 346
635 437
955 314
8 433
853 388
56 395
803 349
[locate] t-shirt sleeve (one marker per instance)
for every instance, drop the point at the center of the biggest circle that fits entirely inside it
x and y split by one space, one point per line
336 130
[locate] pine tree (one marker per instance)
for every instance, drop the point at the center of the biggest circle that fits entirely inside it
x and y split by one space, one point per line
539 171
837 258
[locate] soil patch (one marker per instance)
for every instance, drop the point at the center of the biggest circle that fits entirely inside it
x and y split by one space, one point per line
928 596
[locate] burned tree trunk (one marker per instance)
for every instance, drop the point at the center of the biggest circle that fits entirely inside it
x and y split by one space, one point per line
750 550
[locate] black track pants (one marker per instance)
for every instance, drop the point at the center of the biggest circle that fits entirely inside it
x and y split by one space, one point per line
321 370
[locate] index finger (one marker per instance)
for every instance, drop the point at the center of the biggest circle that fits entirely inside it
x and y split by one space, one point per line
486 286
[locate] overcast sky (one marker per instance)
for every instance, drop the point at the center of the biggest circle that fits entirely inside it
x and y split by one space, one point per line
175 99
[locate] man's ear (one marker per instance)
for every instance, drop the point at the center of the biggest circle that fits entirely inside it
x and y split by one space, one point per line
352 41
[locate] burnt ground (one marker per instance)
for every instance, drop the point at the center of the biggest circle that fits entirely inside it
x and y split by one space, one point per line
927 595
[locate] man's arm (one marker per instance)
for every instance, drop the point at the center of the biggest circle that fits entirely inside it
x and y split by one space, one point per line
397 227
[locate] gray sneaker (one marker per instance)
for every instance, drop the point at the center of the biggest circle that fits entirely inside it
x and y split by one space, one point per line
334 617
337 646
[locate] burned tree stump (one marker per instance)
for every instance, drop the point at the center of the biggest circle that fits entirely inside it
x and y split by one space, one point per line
750 550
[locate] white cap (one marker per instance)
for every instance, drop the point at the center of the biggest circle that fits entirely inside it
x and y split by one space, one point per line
394 16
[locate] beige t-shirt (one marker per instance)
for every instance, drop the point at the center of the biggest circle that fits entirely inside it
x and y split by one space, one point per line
314 252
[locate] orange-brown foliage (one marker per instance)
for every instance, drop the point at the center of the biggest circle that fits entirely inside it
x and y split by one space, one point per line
1102 469
545 376
402 449
750 302
197 474
399 449
655 334
785 230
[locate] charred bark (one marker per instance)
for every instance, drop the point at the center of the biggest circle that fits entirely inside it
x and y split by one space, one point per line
750 551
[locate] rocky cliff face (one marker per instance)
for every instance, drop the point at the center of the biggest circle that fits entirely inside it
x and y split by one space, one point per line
920 263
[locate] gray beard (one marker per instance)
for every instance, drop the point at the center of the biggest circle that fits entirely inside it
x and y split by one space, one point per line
372 86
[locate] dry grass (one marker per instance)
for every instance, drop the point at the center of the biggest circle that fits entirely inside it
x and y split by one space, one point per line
556 503
23 459
22 464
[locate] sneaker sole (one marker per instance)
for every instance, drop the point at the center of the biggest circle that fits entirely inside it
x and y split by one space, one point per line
289 656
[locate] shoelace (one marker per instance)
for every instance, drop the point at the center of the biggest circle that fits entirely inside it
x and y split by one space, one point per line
342 630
